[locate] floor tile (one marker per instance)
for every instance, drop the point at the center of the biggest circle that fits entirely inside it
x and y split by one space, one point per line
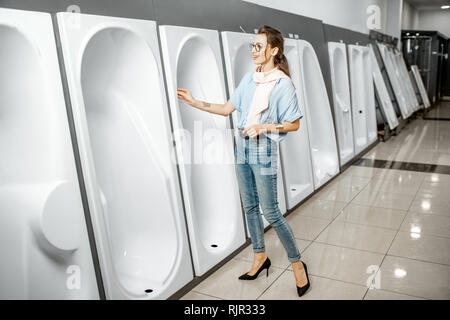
303 227
323 209
284 288
382 155
377 294
224 283
357 236
401 176
372 216
402 186
435 188
340 263
391 200
424 223
343 189
367 172
416 278
192 295
387 200
430 205
436 177
421 247
365 197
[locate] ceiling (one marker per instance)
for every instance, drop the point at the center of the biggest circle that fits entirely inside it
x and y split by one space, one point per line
428 4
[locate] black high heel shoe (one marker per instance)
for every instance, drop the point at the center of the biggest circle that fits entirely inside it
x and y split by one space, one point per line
265 265
301 290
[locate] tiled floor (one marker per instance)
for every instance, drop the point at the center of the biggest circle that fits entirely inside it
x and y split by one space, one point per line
422 141
389 229
441 111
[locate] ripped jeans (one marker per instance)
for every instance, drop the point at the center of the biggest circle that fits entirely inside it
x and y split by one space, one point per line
256 169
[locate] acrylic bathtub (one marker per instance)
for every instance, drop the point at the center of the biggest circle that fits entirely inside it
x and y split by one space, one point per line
382 93
341 98
322 137
416 89
407 80
404 82
363 104
400 77
192 60
121 119
44 246
423 92
395 82
295 150
238 61
372 130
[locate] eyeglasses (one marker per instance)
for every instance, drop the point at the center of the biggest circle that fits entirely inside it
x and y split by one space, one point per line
257 46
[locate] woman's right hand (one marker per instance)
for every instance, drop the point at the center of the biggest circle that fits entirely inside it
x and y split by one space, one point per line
185 95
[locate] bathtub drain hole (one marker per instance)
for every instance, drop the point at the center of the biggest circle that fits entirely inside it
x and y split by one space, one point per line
214 245
148 290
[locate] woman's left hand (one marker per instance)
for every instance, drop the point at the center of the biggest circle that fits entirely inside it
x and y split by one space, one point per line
254 130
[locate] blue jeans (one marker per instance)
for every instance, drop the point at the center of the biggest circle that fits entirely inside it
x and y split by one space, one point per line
256 169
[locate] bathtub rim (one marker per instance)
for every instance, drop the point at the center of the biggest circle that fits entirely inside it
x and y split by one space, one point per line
171 61
146 31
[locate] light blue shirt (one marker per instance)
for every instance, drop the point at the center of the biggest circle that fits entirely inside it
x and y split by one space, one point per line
283 103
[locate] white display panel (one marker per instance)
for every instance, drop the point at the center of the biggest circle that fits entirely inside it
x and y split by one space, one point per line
383 94
192 60
44 245
341 98
295 148
395 82
322 137
420 85
121 119
363 97
406 81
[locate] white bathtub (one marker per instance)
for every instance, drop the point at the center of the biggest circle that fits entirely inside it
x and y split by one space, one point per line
322 137
401 80
363 97
192 60
395 82
383 94
122 123
420 85
44 246
372 131
341 98
407 81
295 149
238 61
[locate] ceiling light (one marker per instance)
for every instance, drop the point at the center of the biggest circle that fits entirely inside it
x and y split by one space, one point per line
445 7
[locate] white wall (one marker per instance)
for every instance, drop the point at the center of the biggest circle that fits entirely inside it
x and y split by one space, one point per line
435 20
410 17
348 14
393 14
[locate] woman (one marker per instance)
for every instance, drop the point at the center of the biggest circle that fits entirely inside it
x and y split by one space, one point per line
268 107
